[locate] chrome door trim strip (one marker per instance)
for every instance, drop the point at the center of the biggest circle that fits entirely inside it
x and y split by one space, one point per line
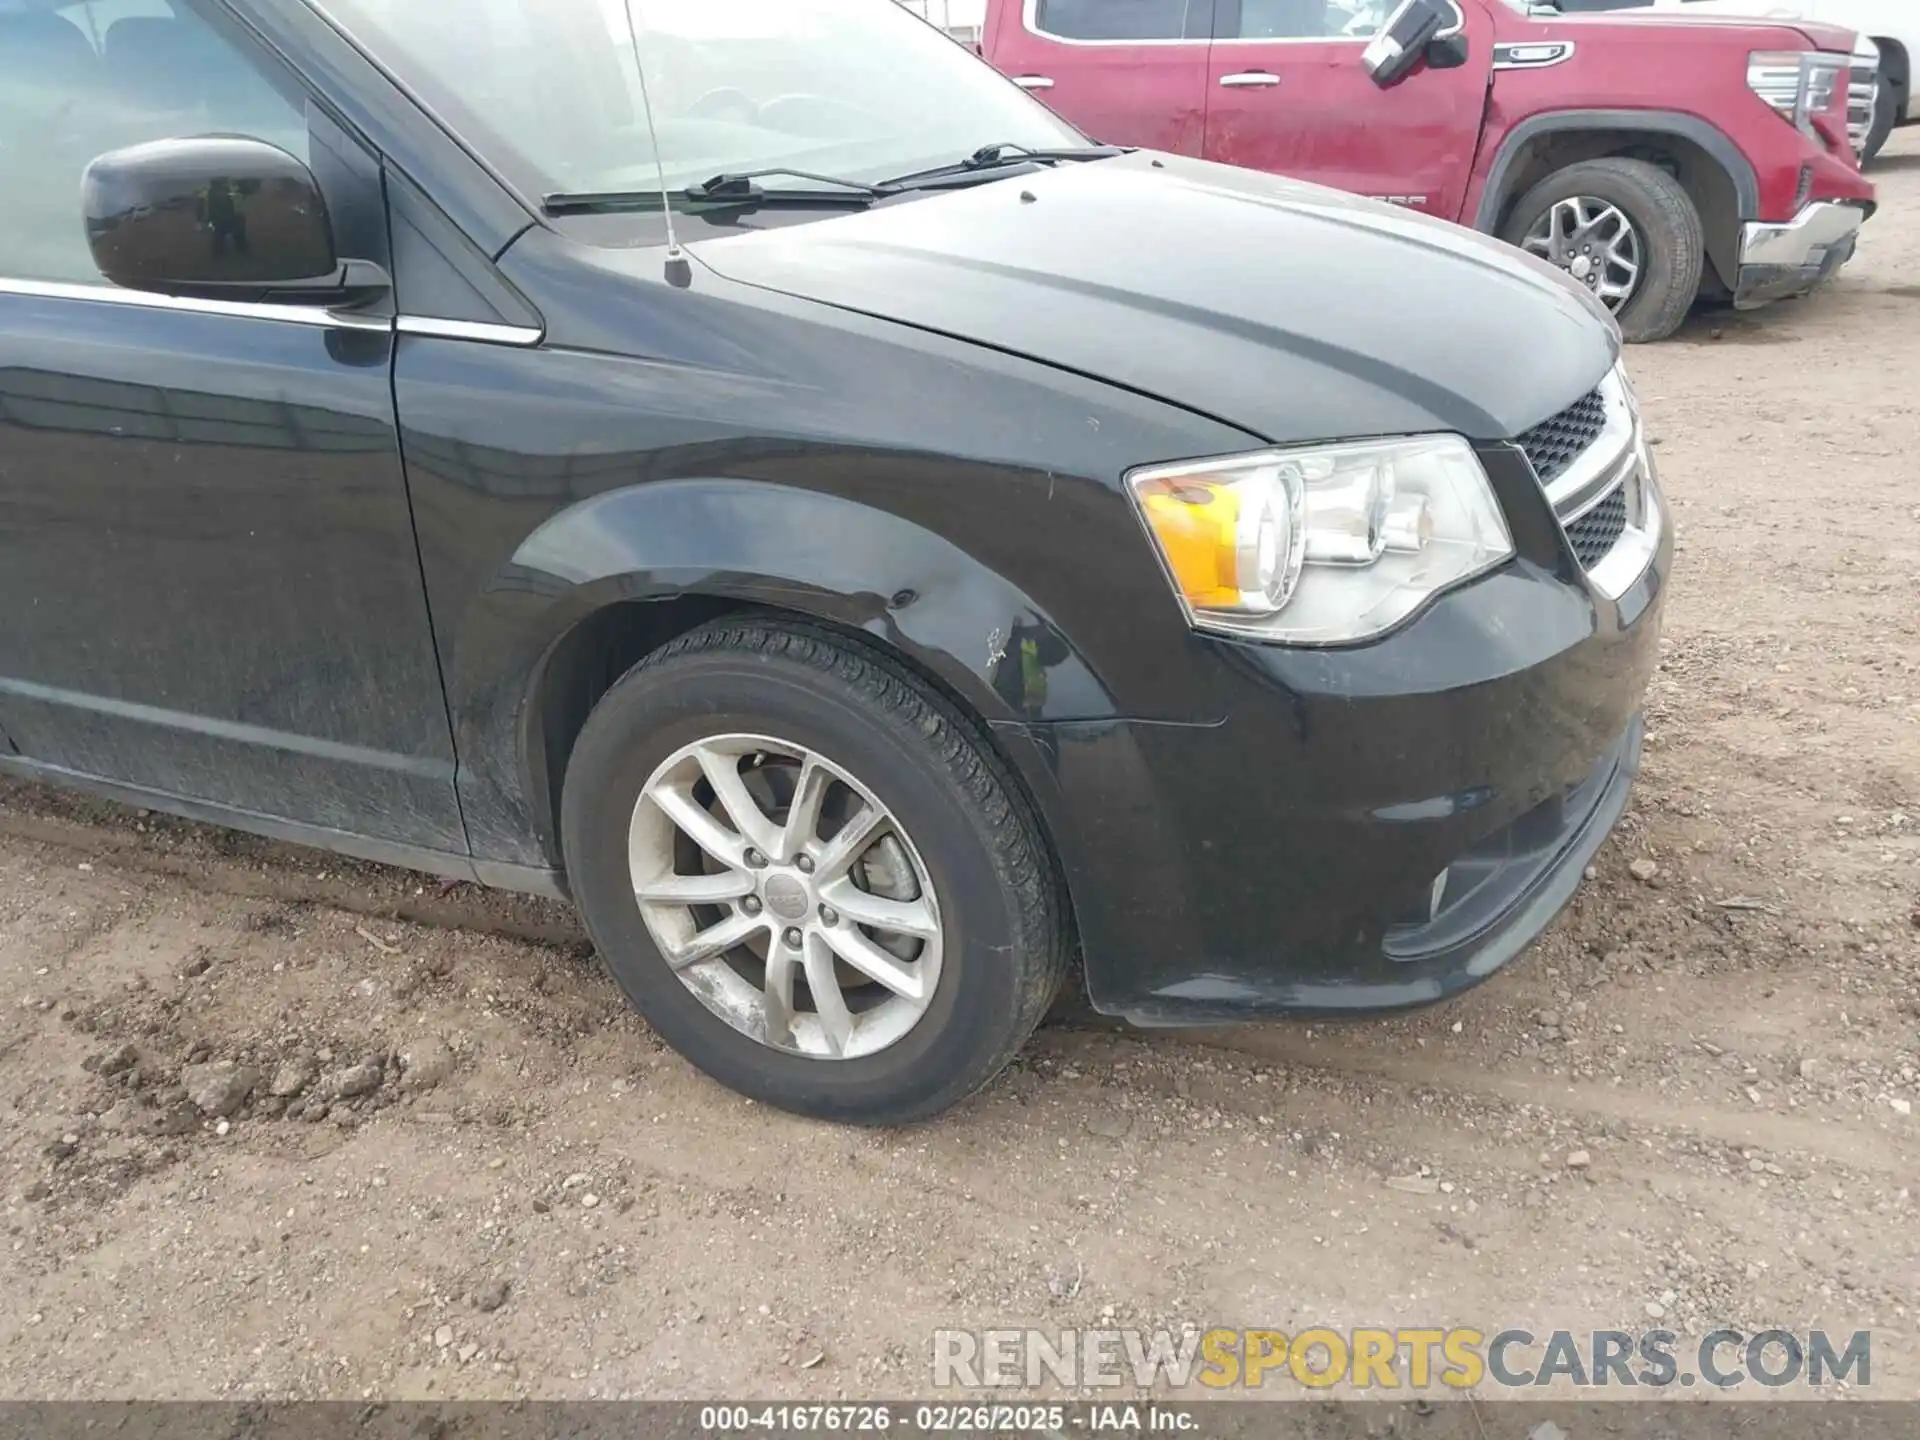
485 334
313 315
317 316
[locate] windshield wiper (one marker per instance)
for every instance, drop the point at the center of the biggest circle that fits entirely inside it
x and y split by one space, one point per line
738 188
999 156
733 184
727 189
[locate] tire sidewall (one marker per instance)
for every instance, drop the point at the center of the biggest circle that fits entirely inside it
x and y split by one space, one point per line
1887 103
958 1041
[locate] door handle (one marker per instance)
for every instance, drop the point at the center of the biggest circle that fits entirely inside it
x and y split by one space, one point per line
1034 82
1248 78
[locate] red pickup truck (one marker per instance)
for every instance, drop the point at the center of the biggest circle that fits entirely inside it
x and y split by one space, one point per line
1655 158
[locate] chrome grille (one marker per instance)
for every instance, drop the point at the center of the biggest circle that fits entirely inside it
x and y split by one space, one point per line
1595 533
1556 443
1862 95
1592 462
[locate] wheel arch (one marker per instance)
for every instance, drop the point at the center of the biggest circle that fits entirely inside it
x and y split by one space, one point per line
611 579
1709 166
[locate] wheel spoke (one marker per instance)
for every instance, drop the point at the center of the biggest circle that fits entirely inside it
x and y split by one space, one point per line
836 1021
716 939
861 830
874 963
901 917
1621 275
803 815
696 889
1566 227
777 995
723 774
679 806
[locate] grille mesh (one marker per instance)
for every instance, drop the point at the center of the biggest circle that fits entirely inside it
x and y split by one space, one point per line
1595 533
1553 444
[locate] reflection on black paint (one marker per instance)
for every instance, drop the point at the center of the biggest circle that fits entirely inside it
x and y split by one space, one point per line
226 217
207 567
46 400
1020 677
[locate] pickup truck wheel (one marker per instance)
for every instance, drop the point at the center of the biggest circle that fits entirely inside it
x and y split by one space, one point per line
1625 229
811 873
1887 102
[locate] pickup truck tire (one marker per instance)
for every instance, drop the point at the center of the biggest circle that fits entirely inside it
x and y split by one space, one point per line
915 887
1672 244
1887 101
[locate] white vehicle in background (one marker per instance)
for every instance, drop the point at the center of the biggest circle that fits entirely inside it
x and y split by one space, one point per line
1892 27
962 19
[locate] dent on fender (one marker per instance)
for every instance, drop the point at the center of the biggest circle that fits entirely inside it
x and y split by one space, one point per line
823 555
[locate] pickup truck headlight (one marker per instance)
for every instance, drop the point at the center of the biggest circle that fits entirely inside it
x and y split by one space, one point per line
1322 544
1798 83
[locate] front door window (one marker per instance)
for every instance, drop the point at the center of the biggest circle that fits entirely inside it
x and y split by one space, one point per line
98 76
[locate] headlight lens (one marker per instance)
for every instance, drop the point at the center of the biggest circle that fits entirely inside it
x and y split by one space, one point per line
1776 76
1324 544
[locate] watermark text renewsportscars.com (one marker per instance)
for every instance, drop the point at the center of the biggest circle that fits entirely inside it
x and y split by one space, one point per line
1396 1359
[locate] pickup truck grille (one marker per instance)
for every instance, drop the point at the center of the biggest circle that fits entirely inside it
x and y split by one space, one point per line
1595 533
1556 443
1862 94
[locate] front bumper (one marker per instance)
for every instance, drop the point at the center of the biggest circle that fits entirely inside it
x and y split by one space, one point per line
1782 260
1285 859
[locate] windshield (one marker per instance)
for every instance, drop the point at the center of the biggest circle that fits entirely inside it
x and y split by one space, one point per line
547 90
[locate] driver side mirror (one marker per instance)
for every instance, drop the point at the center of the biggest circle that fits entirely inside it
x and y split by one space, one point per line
219 217
1408 34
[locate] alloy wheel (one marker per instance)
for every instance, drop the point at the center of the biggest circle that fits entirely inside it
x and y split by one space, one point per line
1593 241
785 896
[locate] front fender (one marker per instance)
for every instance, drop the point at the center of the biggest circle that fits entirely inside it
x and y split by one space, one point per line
800 551
818 555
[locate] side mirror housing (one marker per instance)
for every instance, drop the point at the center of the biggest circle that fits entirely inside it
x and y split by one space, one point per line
219 217
1406 36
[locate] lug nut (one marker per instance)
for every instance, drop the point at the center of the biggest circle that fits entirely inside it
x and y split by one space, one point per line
829 915
793 938
804 864
751 904
755 860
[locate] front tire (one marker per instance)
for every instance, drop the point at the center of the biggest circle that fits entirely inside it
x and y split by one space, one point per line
811 873
1624 228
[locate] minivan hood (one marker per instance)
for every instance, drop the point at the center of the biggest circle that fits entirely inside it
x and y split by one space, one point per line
1289 310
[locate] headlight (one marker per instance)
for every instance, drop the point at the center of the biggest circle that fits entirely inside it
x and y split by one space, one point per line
1323 544
1797 83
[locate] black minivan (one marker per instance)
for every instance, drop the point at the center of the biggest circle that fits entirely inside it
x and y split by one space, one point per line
746 466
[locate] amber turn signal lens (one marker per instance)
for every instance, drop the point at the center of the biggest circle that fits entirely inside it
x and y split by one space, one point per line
1198 527
1232 538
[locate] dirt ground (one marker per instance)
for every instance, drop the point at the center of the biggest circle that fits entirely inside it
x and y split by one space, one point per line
534 1198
